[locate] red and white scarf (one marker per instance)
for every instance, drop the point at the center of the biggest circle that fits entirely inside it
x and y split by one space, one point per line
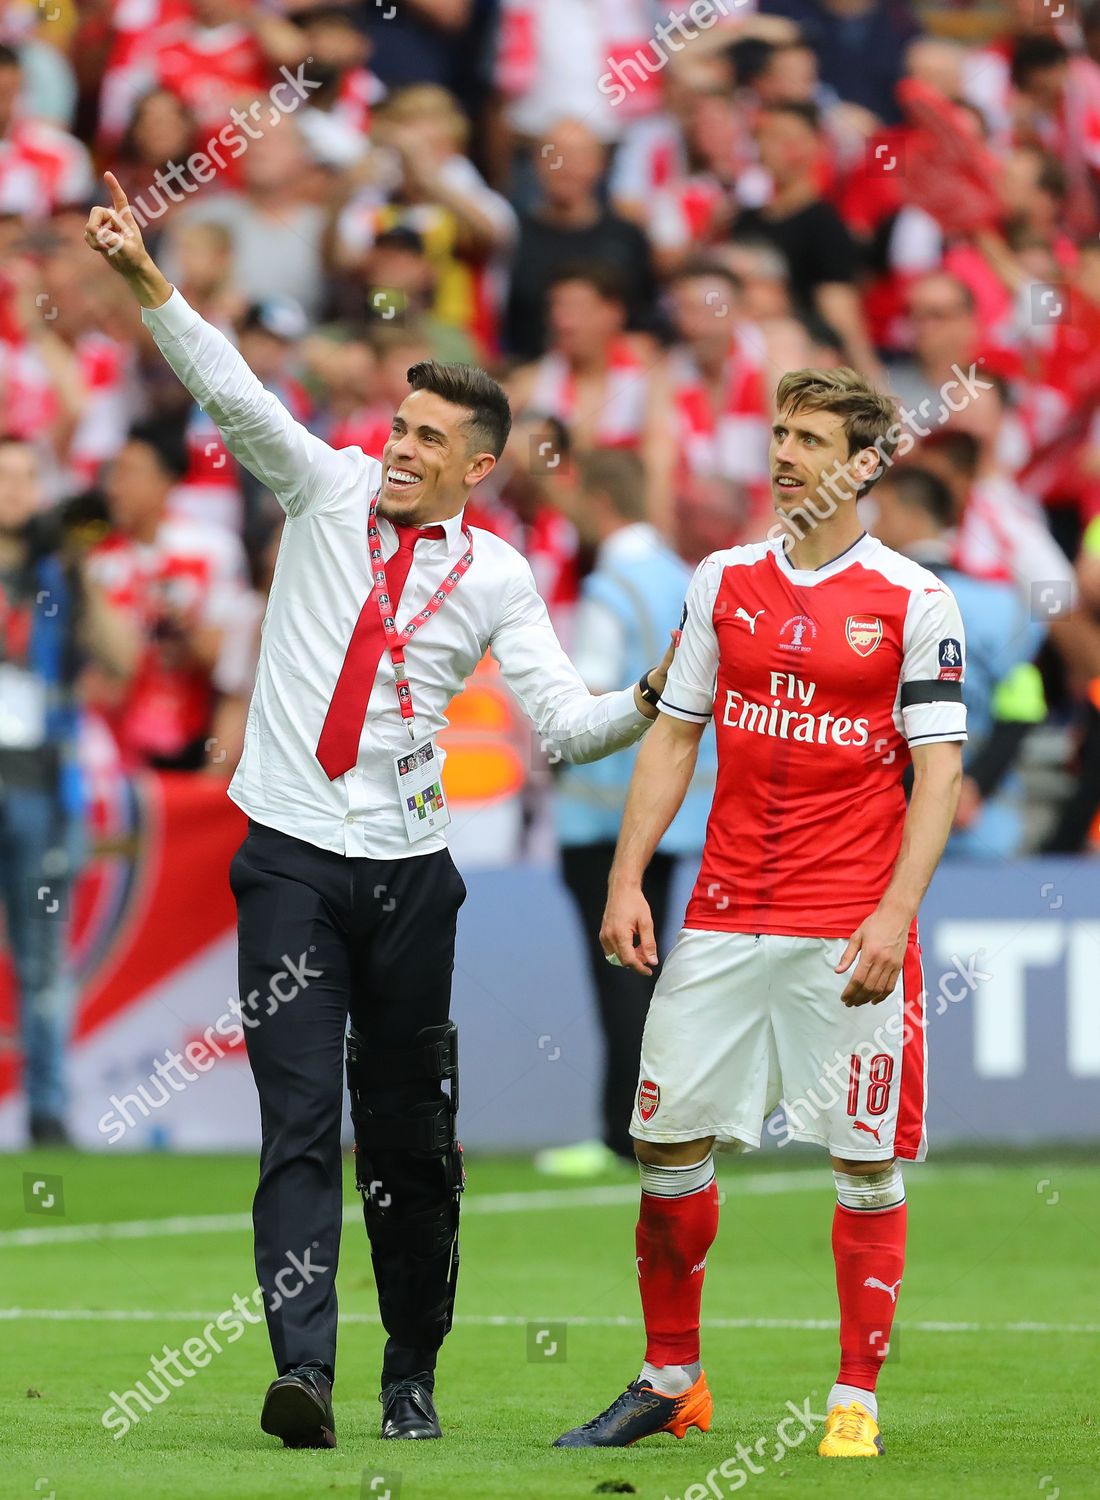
622 410
732 441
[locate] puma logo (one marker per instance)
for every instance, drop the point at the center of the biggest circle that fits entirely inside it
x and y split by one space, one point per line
873 1281
870 1129
750 620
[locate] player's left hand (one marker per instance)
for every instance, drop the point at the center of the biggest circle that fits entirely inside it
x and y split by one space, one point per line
658 675
881 946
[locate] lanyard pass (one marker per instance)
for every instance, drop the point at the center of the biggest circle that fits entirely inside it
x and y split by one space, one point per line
397 640
404 694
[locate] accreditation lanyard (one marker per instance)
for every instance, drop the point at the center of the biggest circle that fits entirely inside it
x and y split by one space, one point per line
397 640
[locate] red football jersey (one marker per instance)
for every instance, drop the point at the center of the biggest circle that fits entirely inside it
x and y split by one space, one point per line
818 682
191 572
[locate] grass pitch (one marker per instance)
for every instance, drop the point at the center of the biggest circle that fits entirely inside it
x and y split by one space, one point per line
991 1389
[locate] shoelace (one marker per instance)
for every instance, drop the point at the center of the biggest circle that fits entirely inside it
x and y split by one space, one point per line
410 1388
849 1425
631 1390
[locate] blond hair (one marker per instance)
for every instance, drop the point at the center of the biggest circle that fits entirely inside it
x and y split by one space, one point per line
426 101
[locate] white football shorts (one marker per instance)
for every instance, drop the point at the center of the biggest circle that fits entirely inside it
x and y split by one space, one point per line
740 1023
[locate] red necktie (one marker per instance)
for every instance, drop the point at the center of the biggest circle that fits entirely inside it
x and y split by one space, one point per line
338 746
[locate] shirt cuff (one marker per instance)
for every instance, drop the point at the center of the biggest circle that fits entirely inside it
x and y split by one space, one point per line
172 319
625 720
627 713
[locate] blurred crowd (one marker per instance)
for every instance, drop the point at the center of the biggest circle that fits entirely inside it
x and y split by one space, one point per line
639 215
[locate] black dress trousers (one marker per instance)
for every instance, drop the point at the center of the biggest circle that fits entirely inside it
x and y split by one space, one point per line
321 937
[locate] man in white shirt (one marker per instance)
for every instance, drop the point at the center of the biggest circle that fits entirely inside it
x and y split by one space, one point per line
347 898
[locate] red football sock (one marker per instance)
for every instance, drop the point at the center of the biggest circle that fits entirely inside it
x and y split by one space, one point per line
869 1250
672 1240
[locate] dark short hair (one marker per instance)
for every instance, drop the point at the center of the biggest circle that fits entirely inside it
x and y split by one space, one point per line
1035 54
554 425
327 13
808 113
490 420
750 57
962 287
918 489
961 450
603 278
699 267
165 436
618 474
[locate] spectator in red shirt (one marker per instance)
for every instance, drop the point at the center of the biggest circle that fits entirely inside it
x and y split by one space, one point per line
42 167
708 411
227 53
592 378
179 585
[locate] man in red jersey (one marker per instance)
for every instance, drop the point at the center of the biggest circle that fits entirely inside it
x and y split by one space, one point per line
827 662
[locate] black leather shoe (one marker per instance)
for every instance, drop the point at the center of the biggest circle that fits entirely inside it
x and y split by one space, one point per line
298 1409
408 1410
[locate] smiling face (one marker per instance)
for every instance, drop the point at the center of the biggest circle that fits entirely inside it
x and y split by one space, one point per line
430 463
808 447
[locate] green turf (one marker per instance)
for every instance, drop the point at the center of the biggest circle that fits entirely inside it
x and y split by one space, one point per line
986 1413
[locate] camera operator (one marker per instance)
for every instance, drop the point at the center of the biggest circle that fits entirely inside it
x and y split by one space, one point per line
52 620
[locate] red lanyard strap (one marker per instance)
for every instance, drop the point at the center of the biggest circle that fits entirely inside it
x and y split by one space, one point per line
397 640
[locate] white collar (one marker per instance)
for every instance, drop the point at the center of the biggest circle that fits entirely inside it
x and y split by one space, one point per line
452 527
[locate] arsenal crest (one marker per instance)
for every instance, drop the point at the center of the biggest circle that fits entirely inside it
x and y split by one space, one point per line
864 632
649 1096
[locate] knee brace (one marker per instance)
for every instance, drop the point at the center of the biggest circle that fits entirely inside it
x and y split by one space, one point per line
408 1167
391 1116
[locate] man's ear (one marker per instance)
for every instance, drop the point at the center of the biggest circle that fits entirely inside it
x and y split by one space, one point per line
866 464
479 466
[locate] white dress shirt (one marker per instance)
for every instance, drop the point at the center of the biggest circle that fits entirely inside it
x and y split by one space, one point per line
322 579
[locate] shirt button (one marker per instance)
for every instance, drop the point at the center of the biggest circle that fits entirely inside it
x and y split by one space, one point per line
350 818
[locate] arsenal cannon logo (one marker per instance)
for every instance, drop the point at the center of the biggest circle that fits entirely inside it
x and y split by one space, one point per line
864 632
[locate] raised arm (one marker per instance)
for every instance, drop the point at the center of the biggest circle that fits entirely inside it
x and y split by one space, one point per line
574 723
300 469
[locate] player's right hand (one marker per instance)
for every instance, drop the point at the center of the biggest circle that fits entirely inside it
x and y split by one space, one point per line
114 234
626 916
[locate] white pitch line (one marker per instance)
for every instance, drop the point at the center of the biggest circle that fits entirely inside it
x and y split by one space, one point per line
751 1184
540 1200
505 1320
